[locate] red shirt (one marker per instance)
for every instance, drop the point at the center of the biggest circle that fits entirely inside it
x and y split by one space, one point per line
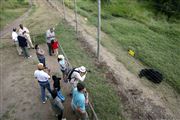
55 45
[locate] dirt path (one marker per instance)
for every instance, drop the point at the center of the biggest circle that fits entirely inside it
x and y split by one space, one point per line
20 97
19 91
140 101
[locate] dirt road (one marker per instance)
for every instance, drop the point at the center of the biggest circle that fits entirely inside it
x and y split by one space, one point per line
20 97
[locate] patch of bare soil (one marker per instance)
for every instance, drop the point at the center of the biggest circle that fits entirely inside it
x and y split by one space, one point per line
19 90
140 101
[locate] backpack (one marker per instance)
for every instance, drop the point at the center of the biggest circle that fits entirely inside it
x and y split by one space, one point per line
70 73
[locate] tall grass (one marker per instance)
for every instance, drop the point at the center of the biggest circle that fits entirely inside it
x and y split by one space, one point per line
106 101
133 24
11 9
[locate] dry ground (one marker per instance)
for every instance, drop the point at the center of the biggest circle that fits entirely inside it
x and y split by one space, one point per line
20 97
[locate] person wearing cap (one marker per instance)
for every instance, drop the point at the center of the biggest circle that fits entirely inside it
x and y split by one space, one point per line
78 74
78 102
63 66
50 35
25 31
42 78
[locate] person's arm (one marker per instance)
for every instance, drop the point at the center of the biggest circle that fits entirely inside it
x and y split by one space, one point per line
40 52
78 76
25 29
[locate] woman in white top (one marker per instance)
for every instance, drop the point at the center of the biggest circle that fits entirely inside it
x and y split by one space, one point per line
15 40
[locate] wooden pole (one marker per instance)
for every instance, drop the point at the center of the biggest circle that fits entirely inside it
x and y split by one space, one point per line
75 11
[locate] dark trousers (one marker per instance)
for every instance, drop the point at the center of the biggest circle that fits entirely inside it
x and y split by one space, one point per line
49 48
60 115
43 61
25 52
43 86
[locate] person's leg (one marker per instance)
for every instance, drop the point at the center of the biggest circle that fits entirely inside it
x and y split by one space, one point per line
48 87
18 48
84 116
42 85
42 61
60 115
26 52
23 50
49 49
29 41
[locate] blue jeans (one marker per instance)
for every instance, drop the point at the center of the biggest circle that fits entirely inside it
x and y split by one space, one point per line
43 61
43 86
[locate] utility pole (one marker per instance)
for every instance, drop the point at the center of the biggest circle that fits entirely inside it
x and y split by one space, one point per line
75 11
99 28
64 10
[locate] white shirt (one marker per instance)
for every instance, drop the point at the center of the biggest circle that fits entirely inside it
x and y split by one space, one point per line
14 36
75 77
41 76
22 30
50 36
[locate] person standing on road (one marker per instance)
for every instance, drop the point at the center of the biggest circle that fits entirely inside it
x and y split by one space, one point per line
42 78
63 66
78 102
78 74
40 55
50 35
25 31
23 44
15 40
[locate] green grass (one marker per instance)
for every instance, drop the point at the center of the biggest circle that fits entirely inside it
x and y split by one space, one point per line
10 10
104 98
132 24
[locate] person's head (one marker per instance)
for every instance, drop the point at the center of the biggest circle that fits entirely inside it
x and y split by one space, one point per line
40 66
51 30
82 69
36 46
14 29
21 26
60 57
80 87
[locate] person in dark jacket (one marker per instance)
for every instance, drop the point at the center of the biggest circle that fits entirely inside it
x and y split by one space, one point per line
23 44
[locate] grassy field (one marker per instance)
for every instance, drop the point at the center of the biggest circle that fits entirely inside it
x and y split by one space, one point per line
102 94
134 25
10 10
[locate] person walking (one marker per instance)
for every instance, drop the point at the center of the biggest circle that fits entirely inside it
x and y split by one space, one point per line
50 35
63 66
25 31
23 44
40 55
15 40
42 78
78 102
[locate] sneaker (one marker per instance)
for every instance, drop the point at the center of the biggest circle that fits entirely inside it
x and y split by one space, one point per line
44 102
63 118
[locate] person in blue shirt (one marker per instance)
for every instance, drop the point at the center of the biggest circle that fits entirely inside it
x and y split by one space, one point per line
79 101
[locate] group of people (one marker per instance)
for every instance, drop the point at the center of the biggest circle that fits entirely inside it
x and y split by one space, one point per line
22 40
71 76
78 91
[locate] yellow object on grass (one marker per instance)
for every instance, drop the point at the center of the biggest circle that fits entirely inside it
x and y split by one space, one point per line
131 52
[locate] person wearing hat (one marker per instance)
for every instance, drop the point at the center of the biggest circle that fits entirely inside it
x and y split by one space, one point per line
42 78
78 74
63 66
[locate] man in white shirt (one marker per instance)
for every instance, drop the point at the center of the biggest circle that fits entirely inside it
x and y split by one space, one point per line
50 35
42 78
15 40
25 31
